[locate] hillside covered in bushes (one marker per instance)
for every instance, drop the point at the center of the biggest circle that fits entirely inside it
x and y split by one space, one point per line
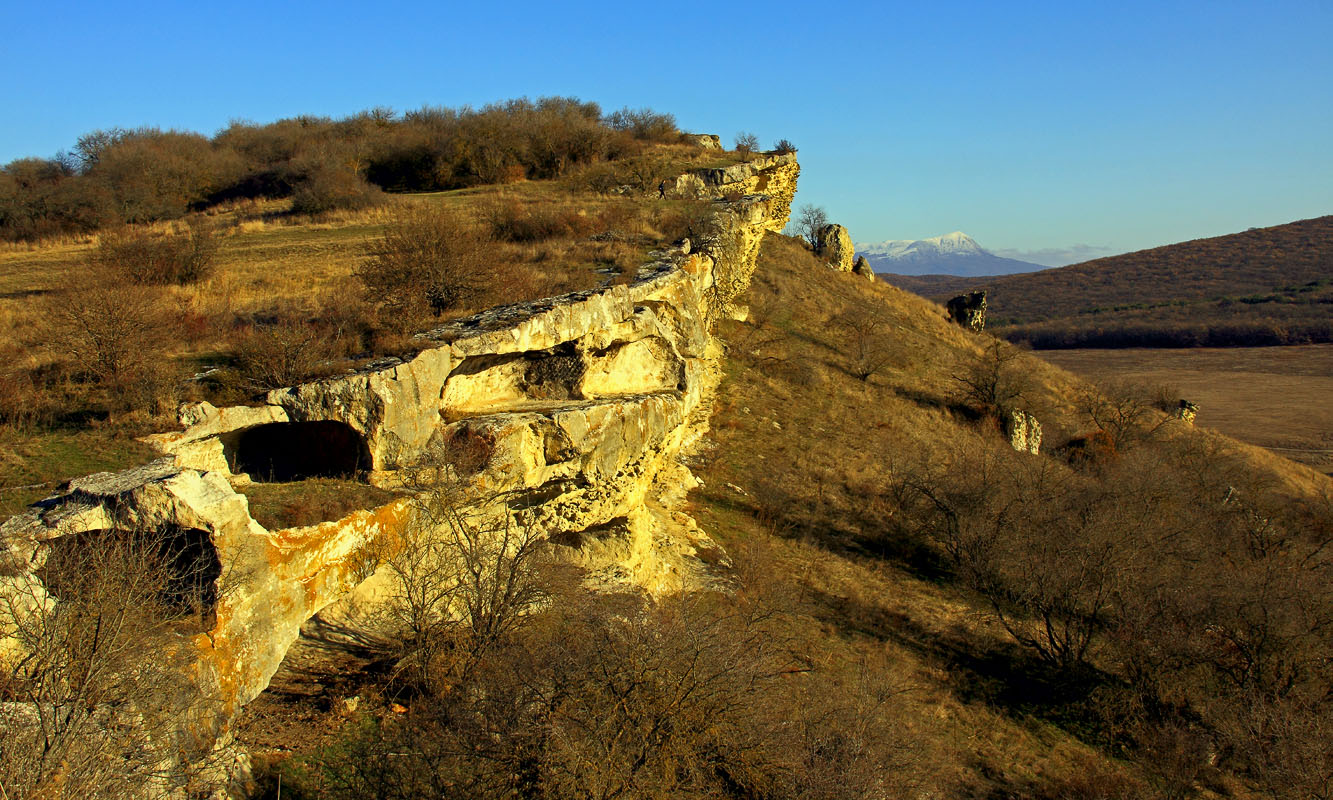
143 175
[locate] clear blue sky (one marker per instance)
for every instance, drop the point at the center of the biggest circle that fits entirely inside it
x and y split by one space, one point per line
1031 126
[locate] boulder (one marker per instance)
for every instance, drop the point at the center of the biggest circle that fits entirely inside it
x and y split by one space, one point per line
708 141
834 244
1024 432
862 267
969 310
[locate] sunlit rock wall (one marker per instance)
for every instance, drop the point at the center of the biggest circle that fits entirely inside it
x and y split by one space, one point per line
586 404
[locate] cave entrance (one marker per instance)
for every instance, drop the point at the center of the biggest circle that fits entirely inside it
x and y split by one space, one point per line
168 572
293 451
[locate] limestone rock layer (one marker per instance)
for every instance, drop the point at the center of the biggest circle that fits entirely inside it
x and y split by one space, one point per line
585 404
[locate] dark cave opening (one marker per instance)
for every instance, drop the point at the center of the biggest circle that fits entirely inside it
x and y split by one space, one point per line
294 451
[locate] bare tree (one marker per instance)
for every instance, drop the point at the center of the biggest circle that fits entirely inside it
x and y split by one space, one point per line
867 345
1124 411
992 381
809 219
463 575
746 144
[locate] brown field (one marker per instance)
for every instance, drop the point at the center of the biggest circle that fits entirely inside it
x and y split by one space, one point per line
1274 397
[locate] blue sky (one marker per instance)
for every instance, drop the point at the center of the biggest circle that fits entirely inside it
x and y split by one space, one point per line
1031 126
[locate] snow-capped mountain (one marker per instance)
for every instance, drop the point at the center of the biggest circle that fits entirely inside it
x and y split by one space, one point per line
952 254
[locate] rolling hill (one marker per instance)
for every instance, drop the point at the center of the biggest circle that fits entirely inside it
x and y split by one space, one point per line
1262 286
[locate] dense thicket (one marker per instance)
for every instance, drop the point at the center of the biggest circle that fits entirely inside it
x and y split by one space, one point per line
146 174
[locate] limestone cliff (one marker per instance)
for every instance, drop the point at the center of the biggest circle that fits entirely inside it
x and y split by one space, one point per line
585 403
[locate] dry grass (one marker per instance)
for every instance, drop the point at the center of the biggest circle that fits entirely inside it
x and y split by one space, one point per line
1273 397
310 502
804 461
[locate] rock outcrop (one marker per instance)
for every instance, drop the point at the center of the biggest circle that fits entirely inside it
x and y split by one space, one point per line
969 310
1024 432
862 267
584 406
708 141
834 244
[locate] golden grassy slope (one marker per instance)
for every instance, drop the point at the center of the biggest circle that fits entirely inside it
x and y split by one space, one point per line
804 459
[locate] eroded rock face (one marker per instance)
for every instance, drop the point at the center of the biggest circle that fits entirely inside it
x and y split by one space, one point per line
969 310
834 244
586 404
771 175
1024 432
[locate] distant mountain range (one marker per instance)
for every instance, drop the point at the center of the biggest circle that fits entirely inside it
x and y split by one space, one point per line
952 254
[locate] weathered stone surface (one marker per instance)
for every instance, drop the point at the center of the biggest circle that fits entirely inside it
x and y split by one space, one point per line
862 267
1024 432
834 244
969 310
772 176
708 141
586 402
1187 411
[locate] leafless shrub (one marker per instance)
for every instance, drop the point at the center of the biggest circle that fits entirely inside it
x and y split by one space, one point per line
1123 411
693 696
98 670
1037 545
644 123
992 382
463 577
1284 744
330 187
866 344
25 402
430 259
136 255
282 352
1165 397
119 335
513 220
